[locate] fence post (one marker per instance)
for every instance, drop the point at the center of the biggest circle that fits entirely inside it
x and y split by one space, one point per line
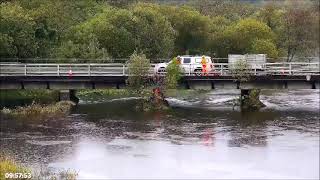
255 71
290 69
221 69
123 69
58 70
189 69
89 70
25 69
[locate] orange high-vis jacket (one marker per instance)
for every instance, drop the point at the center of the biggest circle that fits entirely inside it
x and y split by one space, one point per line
203 61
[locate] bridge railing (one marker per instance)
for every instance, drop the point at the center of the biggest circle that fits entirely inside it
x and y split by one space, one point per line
119 69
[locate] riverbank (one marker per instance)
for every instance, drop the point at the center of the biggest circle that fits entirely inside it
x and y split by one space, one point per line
10 169
39 111
13 98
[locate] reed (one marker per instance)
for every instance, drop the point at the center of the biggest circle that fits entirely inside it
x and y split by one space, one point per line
38 111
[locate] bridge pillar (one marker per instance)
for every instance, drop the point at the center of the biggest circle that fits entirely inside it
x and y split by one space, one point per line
68 95
200 85
317 85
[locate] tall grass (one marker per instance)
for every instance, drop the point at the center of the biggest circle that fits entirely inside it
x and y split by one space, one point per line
37 111
9 165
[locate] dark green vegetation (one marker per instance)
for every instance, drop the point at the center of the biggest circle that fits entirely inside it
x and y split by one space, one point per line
151 96
39 111
11 98
241 71
250 100
173 74
105 29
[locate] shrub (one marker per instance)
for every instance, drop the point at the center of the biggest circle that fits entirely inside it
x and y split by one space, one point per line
138 69
37 111
240 70
173 75
8 165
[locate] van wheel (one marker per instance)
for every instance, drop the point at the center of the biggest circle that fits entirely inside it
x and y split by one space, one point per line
198 72
161 70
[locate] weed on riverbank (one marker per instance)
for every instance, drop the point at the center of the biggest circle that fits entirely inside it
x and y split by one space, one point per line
112 93
37 111
12 98
10 168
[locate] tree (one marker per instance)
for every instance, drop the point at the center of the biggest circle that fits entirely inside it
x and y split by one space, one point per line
263 46
192 29
19 29
229 9
154 33
7 48
138 70
247 34
301 31
173 74
122 31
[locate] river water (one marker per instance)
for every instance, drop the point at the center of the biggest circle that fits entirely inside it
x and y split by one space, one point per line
202 137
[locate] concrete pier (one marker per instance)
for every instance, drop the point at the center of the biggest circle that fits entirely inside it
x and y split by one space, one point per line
68 95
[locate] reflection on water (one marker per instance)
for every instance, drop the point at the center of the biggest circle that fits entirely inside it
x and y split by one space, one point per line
202 137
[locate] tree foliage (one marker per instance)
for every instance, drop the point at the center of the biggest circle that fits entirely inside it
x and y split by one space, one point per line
173 74
138 70
240 70
91 29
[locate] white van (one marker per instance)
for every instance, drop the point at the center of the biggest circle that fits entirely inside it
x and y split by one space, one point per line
190 65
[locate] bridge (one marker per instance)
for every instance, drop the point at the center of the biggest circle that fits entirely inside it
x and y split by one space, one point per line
70 77
114 75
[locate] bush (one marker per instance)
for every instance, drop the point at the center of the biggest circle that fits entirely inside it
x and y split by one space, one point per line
8 165
138 70
173 75
240 70
38 112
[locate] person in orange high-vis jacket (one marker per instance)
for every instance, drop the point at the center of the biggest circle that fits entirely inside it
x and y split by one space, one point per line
178 60
204 65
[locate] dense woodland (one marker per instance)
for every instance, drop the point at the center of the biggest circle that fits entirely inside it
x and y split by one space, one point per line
105 29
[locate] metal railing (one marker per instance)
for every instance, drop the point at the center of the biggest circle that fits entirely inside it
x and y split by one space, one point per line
119 69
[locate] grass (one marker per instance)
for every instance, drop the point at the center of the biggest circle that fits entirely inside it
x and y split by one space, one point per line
37 111
13 98
8 165
112 93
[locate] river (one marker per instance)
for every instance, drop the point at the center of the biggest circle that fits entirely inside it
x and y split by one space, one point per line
201 137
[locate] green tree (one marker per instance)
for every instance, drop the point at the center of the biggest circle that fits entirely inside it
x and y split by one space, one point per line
138 70
240 70
7 48
262 46
245 33
301 31
193 29
154 33
19 28
173 74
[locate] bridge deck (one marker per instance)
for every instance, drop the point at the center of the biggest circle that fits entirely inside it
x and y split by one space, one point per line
91 76
117 69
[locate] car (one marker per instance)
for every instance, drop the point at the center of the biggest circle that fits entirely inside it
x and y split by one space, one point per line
190 65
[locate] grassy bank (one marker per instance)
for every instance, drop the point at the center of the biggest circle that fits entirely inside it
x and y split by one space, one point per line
9 165
11 98
38 111
112 93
